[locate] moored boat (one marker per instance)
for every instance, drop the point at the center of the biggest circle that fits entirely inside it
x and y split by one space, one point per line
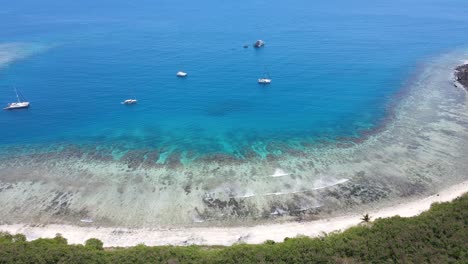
181 74
264 81
130 101
259 43
22 103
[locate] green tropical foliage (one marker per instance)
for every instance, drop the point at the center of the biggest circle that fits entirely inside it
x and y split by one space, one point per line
439 235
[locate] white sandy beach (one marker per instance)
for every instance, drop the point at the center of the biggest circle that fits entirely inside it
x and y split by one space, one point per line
115 237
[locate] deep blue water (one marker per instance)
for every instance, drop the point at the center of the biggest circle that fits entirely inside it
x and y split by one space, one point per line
336 66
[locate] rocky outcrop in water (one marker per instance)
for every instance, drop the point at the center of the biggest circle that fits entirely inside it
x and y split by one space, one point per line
461 75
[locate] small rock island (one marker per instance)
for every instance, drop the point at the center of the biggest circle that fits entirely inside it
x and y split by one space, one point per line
461 75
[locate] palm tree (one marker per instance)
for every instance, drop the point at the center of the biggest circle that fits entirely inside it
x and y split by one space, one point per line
366 218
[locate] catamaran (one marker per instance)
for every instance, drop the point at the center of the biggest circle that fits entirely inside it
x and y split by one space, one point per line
22 103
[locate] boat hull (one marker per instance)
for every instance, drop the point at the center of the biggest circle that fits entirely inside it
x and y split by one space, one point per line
129 102
264 81
16 106
259 44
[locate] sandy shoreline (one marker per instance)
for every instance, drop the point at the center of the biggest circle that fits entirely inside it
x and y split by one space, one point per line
116 237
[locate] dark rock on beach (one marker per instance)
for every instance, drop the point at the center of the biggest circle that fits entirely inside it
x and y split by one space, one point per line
461 75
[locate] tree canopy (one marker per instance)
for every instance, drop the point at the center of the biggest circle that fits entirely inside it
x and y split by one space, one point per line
439 235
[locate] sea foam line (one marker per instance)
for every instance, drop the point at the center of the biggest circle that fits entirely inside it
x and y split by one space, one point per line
341 181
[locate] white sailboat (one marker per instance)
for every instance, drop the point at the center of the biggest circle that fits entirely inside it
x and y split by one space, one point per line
265 79
130 101
22 103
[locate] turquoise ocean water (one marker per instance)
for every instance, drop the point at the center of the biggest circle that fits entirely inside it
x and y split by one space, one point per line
336 66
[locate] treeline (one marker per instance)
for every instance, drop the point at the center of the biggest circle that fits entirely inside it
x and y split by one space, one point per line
439 235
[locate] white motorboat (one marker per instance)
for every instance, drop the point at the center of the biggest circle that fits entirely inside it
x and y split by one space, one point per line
130 101
181 74
22 103
264 81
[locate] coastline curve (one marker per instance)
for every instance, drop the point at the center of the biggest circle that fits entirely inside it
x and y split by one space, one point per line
419 152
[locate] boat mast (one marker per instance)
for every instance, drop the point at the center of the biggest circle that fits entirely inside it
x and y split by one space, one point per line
266 73
17 97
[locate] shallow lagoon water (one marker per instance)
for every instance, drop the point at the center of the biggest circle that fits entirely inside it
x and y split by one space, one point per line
350 119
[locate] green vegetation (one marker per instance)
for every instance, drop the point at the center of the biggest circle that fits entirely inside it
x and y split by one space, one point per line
437 236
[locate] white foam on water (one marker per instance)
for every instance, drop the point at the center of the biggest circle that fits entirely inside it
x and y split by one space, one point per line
279 173
248 194
334 183
322 184
112 237
197 219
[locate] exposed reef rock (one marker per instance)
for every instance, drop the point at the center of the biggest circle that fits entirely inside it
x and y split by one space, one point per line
461 75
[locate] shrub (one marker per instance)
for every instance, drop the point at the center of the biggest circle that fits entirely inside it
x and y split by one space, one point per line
94 243
439 235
